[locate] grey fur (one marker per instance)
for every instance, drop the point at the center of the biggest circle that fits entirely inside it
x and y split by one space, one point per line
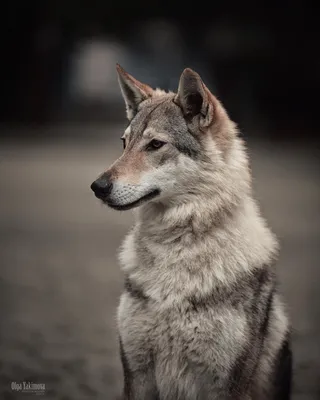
166 116
200 317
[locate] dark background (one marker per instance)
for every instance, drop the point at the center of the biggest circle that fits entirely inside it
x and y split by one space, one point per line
61 119
263 55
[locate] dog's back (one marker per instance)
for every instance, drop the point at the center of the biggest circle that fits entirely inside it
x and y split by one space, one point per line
200 317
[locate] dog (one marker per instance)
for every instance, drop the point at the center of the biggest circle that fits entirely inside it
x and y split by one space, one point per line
200 317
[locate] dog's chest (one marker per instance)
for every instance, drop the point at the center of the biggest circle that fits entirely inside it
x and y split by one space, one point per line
160 325
175 338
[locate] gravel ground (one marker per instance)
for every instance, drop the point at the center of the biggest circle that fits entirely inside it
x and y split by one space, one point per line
59 278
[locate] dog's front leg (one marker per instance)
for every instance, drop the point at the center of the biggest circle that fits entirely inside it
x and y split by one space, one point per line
138 384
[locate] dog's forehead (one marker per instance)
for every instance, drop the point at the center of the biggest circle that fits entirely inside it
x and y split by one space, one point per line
161 116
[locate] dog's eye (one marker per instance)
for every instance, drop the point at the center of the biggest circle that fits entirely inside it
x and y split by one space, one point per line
123 142
155 144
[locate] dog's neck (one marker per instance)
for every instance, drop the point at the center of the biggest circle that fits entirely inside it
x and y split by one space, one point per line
195 215
174 258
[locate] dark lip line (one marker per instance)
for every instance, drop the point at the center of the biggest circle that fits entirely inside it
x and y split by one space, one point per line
148 196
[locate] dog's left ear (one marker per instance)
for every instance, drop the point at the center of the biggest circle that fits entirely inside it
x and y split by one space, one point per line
195 99
133 91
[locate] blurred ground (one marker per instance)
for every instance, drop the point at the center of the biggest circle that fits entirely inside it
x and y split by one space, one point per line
60 281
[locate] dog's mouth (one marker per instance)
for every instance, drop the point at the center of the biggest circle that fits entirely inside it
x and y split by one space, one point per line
136 203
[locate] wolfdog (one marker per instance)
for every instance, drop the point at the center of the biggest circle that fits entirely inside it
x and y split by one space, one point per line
200 317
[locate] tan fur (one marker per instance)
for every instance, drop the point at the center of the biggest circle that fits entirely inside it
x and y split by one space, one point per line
129 168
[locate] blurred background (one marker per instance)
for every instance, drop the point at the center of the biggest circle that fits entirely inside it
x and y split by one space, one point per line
61 119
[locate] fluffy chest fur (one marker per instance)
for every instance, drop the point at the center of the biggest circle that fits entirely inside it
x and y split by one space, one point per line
170 264
182 347
187 310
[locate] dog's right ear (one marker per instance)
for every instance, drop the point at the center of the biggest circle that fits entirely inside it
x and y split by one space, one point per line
133 91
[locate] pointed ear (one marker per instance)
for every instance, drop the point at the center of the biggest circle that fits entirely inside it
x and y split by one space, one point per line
133 91
195 98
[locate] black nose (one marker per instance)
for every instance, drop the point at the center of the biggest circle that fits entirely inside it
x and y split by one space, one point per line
102 187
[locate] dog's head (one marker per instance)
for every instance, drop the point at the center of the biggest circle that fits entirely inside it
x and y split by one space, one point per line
173 146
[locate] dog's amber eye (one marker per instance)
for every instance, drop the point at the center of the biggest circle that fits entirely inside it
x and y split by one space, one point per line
155 144
123 142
